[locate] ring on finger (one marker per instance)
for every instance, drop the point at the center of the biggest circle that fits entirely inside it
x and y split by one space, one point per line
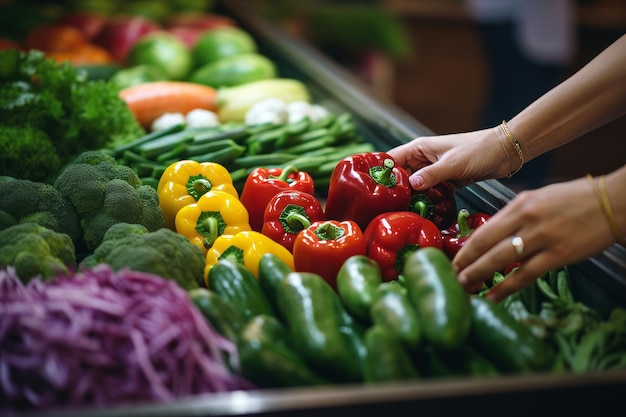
518 245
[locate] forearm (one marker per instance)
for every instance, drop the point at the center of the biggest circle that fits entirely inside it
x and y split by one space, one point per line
590 98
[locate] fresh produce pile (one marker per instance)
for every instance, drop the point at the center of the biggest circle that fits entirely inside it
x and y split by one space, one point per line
236 236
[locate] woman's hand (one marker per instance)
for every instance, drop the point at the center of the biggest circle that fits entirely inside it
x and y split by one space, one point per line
559 224
460 158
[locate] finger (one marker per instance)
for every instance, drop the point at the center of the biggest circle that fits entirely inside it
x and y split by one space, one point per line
502 225
405 155
496 258
526 274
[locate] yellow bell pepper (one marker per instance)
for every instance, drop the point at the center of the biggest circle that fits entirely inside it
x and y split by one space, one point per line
215 213
183 183
245 247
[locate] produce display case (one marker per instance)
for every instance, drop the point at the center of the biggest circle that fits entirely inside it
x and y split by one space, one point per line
599 282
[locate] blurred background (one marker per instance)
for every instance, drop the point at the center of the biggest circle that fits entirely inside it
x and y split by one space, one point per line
454 65
459 65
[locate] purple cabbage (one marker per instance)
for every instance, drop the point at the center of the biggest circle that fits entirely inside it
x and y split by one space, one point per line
103 338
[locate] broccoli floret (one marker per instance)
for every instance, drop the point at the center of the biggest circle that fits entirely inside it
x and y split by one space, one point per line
104 193
116 232
37 202
28 153
34 250
162 252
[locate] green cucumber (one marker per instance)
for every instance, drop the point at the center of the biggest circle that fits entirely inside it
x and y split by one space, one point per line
508 343
465 361
223 315
357 280
236 283
441 303
392 309
387 359
319 327
268 361
272 270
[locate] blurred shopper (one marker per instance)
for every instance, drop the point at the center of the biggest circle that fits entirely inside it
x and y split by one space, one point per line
548 227
529 45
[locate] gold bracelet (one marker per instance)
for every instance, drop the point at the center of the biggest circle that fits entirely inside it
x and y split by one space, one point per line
603 199
516 145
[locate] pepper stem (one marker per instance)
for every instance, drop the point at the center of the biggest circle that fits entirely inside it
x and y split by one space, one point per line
422 205
293 218
384 175
233 254
287 171
198 185
464 228
328 231
210 225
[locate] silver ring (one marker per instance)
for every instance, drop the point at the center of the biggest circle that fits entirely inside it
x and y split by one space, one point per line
518 245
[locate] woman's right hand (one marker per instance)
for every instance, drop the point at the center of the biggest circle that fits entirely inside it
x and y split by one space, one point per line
461 158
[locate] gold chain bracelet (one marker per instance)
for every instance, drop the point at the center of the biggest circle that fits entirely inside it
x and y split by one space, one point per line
516 145
603 199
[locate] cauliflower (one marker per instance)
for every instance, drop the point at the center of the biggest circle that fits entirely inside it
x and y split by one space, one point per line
167 120
195 118
277 111
202 118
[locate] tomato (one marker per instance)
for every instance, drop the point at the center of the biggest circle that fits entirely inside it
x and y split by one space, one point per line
6 43
54 37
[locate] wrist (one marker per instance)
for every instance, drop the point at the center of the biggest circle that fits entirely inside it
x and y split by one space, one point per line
608 191
511 148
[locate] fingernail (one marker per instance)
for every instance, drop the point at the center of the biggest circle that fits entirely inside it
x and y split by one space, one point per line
416 181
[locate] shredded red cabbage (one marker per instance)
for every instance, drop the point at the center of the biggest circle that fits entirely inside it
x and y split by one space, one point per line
102 338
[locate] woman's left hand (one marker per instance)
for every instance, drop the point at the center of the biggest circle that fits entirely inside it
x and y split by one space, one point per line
558 224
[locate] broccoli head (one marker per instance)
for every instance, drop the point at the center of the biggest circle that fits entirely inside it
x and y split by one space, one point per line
28 153
104 193
30 201
34 250
162 252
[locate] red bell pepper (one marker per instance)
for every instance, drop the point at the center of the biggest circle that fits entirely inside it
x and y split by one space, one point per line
364 185
324 246
263 183
392 237
454 237
437 204
289 212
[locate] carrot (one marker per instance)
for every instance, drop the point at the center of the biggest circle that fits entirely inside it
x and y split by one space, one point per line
150 100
